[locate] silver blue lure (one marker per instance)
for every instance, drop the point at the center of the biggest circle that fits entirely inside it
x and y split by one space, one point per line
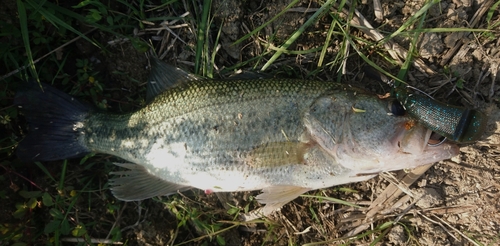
460 124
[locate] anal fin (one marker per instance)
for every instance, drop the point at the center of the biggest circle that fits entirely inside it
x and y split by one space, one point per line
137 184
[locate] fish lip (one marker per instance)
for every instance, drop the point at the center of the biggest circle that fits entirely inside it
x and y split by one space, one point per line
415 141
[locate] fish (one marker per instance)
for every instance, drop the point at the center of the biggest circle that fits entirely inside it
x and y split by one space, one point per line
283 137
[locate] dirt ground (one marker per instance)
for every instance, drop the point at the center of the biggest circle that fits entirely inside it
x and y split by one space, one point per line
455 202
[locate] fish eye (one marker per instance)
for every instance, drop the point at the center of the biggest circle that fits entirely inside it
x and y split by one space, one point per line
396 108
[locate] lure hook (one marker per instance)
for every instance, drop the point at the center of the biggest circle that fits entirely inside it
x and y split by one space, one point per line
437 144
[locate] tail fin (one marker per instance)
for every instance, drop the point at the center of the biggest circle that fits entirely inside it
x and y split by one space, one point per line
56 122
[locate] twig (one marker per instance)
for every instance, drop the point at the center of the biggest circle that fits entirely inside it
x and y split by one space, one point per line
8 170
390 193
456 230
440 225
377 9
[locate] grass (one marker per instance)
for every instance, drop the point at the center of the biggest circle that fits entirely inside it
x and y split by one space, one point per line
70 44
62 208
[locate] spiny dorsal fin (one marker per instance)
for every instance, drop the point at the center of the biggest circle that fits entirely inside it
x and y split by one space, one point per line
163 77
137 184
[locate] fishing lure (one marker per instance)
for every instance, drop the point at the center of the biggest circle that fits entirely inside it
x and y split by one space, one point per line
459 124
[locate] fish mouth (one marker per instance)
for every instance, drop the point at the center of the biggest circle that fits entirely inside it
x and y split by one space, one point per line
414 139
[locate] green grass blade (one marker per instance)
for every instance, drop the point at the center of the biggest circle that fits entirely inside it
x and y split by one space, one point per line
413 48
78 17
23 21
412 19
63 175
318 14
210 66
327 42
57 21
44 170
202 35
294 52
491 11
344 50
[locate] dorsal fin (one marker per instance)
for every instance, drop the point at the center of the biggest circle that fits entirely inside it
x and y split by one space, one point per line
163 77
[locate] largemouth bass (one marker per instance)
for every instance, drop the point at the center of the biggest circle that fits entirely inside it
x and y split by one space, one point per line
282 136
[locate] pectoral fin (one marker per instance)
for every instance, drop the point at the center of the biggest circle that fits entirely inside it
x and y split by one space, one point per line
277 154
137 184
280 194
274 197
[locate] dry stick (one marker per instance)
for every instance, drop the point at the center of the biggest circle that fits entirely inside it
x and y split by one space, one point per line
169 29
377 9
439 224
403 186
390 193
396 205
456 230
37 60
452 209
473 23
